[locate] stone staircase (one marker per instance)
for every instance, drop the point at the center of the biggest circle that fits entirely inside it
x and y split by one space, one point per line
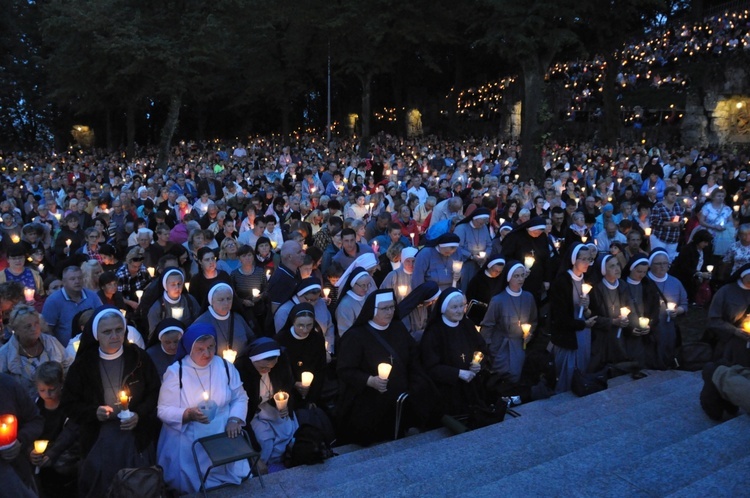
638 438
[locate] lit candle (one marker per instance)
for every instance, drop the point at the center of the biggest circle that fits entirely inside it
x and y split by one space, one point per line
326 292
151 271
256 292
478 357
268 274
8 430
482 254
281 398
670 307
736 209
307 378
40 445
402 290
187 286
15 238
29 294
177 312
676 218
647 231
139 295
586 288
76 345
710 268
584 238
412 238
375 246
68 242
528 262
229 354
384 370
124 400
526 329
205 395
457 266
643 322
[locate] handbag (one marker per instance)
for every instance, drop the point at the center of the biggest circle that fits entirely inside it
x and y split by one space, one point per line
481 415
584 384
144 482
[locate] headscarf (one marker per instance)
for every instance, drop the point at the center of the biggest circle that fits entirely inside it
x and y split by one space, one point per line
510 267
408 252
168 273
348 283
494 259
636 260
307 285
262 348
368 308
301 309
570 256
192 334
427 291
166 326
741 271
366 261
436 315
217 287
88 337
477 213
445 239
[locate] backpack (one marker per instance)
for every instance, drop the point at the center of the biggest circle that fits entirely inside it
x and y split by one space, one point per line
308 447
143 482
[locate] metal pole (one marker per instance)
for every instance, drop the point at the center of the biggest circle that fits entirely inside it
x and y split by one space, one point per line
328 126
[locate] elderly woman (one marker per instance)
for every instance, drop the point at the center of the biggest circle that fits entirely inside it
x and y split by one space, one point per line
29 348
18 272
728 318
232 331
107 372
673 302
641 339
400 278
738 254
716 217
503 326
167 335
208 275
228 259
352 297
436 260
202 395
448 349
367 401
173 303
608 297
571 317
475 245
132 276
305 347
91 247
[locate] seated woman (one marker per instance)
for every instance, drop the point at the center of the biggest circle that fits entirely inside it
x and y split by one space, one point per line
690 266
232 331
202 395
305 347
728 321
117 368
400 278
608 297
367 403
503 325
18 272
672 303
352 297
265 371
571 317
58 464
485 284
308 291
415 308
207 277
91 270
173 303
108 292
449 345
29 348
163 351
249 283
640 342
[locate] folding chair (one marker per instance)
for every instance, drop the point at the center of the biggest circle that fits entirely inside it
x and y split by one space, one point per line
399 412
221 450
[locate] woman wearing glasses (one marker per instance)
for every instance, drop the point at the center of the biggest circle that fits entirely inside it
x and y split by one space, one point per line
673 301
353 295
228 259
132 276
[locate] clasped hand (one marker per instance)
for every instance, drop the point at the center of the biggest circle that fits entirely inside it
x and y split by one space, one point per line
380 385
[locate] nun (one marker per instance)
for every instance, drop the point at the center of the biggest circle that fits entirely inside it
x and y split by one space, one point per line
378 362
202 395
167 334
106 371
475 244
453 353
305 347
438 261
641 343
486 284
232 331
308 291
729 320
571 317
415 308
509 324
267 377
356 288
609 297
400 278
174 302
673 301
528 245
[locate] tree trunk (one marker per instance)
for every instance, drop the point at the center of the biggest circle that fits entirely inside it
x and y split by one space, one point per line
168 129
364 119
611 112
130 130
531 144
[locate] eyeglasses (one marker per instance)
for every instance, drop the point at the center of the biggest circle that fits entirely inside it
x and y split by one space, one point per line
387 309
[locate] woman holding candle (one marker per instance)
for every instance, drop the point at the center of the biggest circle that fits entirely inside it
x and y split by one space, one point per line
201 395
640 342
18 272
528 244
305 347
475 243
267 378
416 306
367 400
249 283
448 348
108 292
400 278
571 317
673 302
207 277
352 298
29 348
173 303
716 217
486 284
132 276
438 261
307 290
232 331
610 303
503 324
691 265
107 370
264 256
728 319
167 335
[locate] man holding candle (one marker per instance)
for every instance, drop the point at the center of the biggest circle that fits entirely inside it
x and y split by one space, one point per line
666 221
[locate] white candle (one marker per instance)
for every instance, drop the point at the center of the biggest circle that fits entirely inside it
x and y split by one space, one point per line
384 370
526 329
477 358
624 312
586 289
710 268
326 291
528 262
139 295
205 395
457 266
670 307
307 378
177 312
187 286
28 293
281 398
647 231
40 445
76 345
68 242
643 322
375 246
151 271
256 292
402 290
230 355
482 254
584 238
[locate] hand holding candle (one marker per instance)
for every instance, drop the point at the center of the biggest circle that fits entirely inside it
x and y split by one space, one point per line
477 358
384 370
526 329
230 355
281 398
671 307
528 262
643 323
139 295
403 290
28 293
178 312
8 431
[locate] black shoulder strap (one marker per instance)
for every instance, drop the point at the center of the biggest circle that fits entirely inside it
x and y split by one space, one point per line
385 344
226 369
179 362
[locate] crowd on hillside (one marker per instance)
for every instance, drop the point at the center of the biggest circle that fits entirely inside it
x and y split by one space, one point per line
248 285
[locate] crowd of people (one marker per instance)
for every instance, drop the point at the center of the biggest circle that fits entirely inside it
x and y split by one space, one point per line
247 284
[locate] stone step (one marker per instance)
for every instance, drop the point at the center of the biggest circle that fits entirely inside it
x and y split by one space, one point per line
495 451
729 482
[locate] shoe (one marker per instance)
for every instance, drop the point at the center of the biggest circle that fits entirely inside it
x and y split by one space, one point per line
710 398
639 374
